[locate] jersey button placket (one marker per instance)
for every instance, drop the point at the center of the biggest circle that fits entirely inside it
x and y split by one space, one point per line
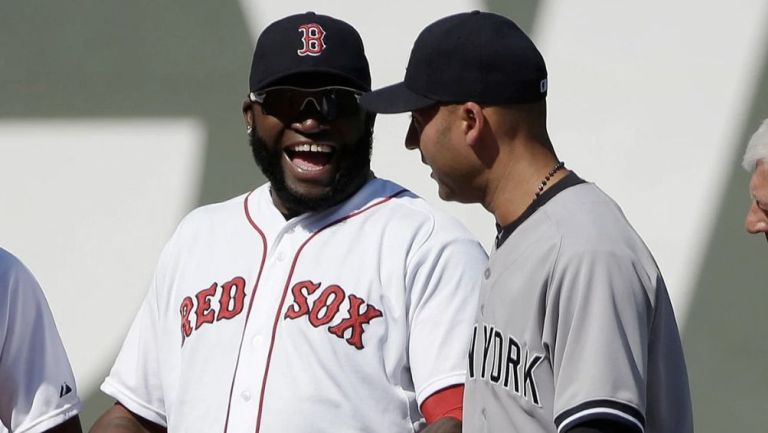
246 396
257 341
486 276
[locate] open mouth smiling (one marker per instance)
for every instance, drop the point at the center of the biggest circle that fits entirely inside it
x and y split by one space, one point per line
309 157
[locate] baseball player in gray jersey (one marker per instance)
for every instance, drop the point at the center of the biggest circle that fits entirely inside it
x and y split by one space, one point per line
575 331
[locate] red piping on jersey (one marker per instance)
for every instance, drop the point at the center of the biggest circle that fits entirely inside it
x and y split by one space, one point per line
285 290
250 304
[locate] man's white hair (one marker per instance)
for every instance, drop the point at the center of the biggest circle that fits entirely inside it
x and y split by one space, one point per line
757 149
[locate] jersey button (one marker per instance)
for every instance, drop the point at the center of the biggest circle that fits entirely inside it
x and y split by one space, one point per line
245 395
257 341
487 273
280 256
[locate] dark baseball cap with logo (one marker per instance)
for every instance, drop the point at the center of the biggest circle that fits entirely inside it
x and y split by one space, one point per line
474 56
312 46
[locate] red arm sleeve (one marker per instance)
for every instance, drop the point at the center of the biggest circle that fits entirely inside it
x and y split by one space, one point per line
448 402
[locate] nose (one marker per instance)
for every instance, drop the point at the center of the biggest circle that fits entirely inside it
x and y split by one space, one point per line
412 137
310 122
757 220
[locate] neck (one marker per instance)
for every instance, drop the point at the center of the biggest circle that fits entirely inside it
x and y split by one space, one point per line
515 180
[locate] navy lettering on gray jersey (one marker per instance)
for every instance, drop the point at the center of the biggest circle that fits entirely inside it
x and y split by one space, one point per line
501 364
513 363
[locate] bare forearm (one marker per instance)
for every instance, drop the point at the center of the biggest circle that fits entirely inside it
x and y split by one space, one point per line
444 425
118 419
117 425
71 425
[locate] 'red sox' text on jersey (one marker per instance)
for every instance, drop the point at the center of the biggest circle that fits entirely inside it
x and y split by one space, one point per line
339 320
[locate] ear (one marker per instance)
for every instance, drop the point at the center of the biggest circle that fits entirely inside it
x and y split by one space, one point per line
473 122
248 113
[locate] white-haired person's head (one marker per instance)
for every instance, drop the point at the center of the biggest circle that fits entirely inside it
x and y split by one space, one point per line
757 149
756 162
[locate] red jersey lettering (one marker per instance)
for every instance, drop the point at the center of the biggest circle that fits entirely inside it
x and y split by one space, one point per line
300 306
355 322
231 305
322 312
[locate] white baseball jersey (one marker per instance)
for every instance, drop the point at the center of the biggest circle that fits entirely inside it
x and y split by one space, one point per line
37 387
343 320
574 324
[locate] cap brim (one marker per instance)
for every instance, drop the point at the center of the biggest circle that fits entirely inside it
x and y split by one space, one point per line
394 99
316 76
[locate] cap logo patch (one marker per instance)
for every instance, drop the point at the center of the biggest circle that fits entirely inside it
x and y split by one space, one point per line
312 39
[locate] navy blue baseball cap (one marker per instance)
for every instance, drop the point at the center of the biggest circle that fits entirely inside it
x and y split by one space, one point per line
310 46
473 56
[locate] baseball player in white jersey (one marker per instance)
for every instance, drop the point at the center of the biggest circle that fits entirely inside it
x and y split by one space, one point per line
327 300
37 387
575 331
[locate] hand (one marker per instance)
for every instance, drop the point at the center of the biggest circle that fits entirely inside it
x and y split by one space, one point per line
444 425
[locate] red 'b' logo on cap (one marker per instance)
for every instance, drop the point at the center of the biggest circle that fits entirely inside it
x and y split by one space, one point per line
312 38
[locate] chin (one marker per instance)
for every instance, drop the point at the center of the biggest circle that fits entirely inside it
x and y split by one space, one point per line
309 192
452 196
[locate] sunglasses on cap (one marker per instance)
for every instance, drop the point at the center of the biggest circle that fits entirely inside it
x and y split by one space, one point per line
286 102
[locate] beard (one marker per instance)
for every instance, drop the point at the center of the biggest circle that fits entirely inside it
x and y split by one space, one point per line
354 170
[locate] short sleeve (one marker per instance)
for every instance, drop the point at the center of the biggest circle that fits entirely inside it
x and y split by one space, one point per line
37 387
136 376
444 278
597 327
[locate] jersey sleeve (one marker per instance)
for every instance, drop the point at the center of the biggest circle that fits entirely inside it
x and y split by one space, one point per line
597 327
444 277
136 376
37 387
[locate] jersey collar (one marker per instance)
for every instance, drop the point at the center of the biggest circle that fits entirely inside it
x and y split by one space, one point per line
569 180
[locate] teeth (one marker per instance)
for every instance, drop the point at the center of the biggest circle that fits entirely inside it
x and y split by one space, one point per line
323 148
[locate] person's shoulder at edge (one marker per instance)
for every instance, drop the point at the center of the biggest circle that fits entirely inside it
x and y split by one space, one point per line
8 261
11 268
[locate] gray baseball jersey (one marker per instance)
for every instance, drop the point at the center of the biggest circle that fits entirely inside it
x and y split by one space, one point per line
37 387
574 324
